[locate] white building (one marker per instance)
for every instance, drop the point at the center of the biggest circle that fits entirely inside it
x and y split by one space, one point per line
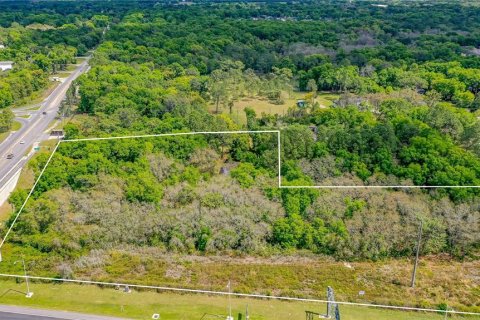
2 46
6 65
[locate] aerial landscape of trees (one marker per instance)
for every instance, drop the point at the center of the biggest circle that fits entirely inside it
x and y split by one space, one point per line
407 80
42 44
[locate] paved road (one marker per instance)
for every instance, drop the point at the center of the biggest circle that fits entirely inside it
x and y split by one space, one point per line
20 313
17 316
14 316
33 129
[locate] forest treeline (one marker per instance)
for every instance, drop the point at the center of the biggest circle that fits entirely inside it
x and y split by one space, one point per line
409 89
40 43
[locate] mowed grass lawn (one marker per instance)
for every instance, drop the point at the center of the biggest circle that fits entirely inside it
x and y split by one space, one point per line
263 105
142 305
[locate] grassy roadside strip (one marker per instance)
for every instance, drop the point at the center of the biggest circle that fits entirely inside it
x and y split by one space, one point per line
27 178
15 126
37 97
440 281
141 305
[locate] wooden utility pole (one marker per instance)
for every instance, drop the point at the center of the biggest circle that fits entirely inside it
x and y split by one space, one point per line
414 274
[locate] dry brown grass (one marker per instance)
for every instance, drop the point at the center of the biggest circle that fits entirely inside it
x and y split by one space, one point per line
263 105
439 279
5 211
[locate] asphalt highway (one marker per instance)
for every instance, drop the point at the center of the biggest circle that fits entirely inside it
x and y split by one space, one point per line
33 129
17 316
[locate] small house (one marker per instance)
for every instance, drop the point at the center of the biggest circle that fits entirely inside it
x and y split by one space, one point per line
6 65
301 103
57 133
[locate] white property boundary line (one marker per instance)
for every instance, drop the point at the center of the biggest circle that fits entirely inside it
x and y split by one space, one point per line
242 295
132 137
279 164
28 196
207 291
279 157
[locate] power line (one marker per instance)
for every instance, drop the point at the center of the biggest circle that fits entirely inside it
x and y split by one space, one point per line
244 295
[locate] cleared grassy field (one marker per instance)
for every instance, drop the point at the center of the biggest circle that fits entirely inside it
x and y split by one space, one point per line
141 305
263 105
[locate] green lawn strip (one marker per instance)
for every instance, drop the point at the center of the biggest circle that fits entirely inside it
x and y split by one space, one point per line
63 74
142 304
4 135
15 127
